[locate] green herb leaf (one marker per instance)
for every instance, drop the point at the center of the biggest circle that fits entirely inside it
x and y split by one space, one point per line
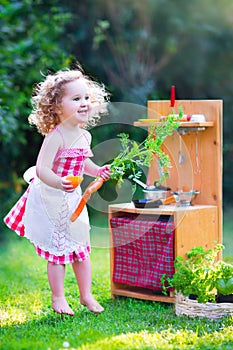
134 155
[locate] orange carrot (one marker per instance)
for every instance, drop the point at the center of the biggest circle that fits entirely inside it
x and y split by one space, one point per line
91 188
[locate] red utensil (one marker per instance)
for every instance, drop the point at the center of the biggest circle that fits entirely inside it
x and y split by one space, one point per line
172 96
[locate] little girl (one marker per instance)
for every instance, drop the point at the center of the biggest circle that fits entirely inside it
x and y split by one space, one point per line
63 103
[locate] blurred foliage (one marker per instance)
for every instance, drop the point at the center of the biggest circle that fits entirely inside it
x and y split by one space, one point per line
141 48
30 32
137 48
28 47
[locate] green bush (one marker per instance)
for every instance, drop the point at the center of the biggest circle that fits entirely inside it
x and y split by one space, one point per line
29 47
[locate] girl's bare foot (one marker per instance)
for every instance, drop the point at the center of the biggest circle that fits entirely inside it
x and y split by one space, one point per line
92 305
61 306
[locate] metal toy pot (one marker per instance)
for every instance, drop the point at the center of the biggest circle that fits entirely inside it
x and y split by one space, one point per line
152 192
185 197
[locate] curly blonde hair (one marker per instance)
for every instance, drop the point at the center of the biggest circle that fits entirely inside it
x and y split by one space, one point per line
48 96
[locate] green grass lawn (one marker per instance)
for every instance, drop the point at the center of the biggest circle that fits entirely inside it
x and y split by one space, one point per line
27 321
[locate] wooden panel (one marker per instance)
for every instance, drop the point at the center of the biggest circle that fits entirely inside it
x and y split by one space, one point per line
202 168
209 144
195 228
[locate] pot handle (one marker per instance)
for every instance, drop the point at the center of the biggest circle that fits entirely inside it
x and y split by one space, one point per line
140 183
172 199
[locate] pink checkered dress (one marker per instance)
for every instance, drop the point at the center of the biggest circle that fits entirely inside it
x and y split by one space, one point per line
43 213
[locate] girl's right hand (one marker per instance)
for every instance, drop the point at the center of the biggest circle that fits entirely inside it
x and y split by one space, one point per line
66 185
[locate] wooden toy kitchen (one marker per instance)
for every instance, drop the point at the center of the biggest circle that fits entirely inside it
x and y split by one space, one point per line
145 241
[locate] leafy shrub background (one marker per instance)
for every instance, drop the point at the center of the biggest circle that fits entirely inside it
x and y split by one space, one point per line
138 49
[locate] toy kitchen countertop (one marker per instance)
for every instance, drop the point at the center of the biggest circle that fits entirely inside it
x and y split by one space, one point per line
161 210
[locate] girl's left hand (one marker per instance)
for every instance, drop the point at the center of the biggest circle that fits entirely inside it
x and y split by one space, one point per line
67 185
104 172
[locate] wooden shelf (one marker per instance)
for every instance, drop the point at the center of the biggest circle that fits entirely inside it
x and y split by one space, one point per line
182 124
141 293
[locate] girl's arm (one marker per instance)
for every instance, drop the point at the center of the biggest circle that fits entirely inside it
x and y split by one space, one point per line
44 164
90 168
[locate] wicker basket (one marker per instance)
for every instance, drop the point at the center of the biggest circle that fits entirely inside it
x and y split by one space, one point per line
191 308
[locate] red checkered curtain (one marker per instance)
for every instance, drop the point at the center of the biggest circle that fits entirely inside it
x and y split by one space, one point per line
143 250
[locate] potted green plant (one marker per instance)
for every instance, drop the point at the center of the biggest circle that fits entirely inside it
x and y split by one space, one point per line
224 283
196 275
198 282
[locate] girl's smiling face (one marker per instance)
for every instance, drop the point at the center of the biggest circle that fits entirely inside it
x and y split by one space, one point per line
75 105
